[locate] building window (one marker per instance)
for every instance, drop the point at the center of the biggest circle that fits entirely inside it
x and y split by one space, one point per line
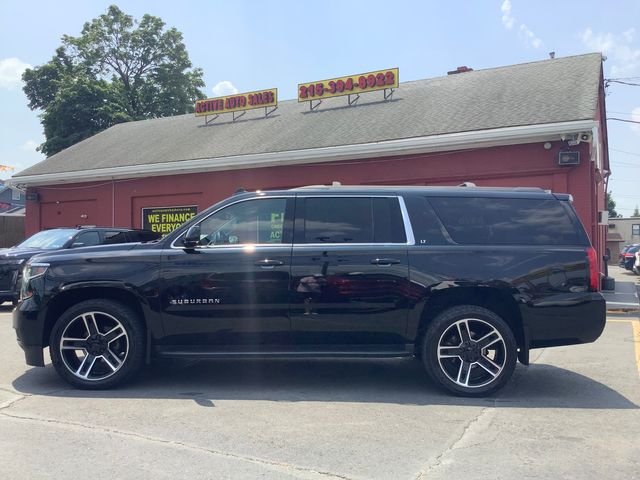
635 229
612 226
15 194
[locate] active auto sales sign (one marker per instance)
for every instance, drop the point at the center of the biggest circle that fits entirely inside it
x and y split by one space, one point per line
237 102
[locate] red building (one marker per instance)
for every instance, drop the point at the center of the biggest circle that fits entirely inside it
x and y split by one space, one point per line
507 126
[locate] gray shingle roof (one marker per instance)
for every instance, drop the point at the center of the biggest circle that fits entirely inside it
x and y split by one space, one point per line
548 91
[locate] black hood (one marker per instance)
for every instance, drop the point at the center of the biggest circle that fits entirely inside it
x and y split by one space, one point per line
85 251
17 253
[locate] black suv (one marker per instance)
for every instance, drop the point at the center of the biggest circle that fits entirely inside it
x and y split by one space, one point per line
466 279
12 259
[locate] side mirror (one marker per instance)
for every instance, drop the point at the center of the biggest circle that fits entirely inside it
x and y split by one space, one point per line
192 237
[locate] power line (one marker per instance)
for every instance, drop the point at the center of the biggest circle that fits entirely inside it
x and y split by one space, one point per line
626 164
621 82
623 120
624 151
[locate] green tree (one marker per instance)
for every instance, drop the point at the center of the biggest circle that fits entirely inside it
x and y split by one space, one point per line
636 212
611 205
117 70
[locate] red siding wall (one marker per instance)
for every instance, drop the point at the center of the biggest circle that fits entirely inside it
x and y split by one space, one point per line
119 203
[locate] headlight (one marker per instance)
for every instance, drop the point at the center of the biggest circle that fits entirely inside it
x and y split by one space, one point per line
34 270
31 271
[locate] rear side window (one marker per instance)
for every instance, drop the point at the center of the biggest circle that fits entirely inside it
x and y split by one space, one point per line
86 239
506 221
142 236
349 220
114 237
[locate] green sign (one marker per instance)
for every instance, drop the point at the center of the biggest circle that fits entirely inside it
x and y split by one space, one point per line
166 219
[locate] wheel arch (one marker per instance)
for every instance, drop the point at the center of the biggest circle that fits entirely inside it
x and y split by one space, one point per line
71 296
498 300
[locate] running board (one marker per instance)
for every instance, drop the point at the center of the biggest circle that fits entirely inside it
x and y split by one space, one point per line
326 351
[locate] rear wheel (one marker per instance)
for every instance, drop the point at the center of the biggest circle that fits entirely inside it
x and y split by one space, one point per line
469 350
97 344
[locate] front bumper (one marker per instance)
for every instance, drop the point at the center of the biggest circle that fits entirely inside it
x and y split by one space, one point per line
28 322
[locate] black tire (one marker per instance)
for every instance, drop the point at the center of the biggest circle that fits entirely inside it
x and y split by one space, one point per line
477 371
113 364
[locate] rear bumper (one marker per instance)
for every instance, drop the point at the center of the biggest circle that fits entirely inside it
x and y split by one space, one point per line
565 319
28 323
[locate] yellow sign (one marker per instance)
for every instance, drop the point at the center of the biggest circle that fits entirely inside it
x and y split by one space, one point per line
237 102
166 219
351 85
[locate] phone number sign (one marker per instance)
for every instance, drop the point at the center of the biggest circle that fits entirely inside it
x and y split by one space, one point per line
350 85
237 102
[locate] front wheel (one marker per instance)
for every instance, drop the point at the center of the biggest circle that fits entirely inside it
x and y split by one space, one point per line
469 350
97 344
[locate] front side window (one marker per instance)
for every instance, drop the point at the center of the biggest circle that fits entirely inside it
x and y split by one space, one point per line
246 223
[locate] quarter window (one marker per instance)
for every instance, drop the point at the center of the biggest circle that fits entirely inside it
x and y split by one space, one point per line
506 221
246 223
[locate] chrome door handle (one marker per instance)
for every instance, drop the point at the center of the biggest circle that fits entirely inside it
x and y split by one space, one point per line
384 262
268 264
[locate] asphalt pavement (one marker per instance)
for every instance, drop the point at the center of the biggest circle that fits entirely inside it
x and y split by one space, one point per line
573 414
625 296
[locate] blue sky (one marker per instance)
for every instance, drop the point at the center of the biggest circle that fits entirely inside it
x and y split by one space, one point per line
253 45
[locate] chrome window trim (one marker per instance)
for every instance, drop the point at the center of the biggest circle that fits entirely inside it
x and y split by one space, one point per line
243 245
408 229
403 210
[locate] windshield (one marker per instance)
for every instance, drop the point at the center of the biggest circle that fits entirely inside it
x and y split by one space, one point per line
48 239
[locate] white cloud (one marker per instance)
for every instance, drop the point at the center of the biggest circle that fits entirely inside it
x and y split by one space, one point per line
223 88
11 70
529 36
507 19
635 116
524 32
618 48
30 145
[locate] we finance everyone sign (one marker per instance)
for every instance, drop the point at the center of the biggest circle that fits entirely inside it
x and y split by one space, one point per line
166 219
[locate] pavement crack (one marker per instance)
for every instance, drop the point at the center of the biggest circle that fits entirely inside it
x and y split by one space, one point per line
11 403
472 427
177 444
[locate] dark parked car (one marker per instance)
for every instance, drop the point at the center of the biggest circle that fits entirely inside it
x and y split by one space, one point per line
628 258
466 279
12 259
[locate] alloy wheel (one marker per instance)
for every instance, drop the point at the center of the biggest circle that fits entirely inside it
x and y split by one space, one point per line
472 353
94 346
